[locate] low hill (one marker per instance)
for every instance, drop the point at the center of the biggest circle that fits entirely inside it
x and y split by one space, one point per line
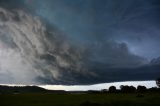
26 89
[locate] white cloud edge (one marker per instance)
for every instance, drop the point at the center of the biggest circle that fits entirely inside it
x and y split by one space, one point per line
148 84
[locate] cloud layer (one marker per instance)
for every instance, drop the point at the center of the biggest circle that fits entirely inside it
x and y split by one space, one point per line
30 52
34 52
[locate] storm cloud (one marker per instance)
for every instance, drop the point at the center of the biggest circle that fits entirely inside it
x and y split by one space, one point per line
30 51
65 42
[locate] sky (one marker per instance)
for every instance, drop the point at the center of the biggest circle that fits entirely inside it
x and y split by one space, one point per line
79 42
101 86
98 87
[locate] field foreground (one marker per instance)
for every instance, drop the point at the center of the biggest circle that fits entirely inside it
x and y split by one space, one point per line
109 99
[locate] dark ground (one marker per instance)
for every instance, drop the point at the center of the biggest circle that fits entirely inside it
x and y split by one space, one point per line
36 96
95 99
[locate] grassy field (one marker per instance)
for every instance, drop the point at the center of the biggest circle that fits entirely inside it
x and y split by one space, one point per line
35 99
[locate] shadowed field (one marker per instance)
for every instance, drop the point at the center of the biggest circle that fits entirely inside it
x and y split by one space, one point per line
109 99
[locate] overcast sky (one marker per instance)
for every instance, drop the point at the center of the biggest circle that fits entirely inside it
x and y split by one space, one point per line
79 41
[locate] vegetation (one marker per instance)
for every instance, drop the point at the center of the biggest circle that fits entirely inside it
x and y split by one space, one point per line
158 82
26 89
82 99
35 96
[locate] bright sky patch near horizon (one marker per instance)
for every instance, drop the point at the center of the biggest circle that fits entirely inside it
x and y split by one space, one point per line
148 84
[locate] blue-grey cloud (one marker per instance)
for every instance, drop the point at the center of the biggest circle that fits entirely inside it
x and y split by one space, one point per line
78 42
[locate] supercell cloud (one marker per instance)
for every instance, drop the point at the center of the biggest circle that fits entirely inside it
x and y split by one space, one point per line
70 45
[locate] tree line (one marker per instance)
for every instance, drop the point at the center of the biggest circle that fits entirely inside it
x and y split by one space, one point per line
132 89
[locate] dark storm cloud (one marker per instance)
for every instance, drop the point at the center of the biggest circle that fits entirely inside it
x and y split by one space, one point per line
38 53
78 42
12 3
134 22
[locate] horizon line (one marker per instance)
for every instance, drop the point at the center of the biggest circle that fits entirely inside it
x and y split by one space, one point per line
98 86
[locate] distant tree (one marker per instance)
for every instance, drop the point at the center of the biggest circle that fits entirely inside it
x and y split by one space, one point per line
112 89
141 89
158 82
127 89
153 89
121 86
133 89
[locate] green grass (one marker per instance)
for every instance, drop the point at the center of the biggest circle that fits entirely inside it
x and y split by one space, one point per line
35 99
